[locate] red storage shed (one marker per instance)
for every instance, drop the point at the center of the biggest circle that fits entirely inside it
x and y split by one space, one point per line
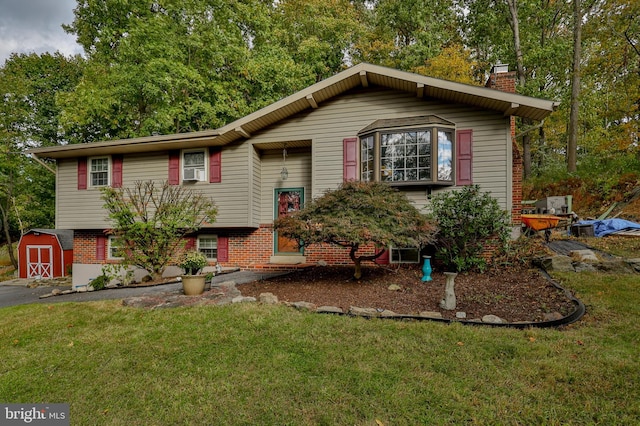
45 253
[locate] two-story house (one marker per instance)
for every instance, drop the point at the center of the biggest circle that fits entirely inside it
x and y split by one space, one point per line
368 122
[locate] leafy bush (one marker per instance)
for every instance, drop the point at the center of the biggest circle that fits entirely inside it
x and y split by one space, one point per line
468 221
99 282
192 262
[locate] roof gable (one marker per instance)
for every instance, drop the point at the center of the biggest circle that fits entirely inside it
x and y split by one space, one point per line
361 75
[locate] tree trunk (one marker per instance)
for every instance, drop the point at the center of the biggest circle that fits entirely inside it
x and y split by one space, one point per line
572 143
515 28
357 262
7 235
526 153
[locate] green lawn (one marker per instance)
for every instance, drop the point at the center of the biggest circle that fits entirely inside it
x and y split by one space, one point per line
271 365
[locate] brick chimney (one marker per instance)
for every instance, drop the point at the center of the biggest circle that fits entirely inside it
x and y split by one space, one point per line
504 80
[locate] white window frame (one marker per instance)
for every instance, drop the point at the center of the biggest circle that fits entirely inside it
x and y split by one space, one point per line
110 247
393 250
400 153
90 171
202 170
208 237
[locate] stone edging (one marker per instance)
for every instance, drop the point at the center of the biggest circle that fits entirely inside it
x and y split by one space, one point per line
227 293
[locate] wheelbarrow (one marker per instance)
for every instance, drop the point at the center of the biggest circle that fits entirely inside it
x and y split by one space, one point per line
540 222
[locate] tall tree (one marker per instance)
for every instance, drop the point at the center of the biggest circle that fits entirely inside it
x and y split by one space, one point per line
572 142
405 35
29 117
531 35
173 67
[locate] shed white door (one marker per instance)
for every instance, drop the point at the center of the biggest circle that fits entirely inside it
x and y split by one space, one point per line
39 261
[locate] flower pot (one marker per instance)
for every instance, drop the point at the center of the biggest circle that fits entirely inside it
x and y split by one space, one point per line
193 285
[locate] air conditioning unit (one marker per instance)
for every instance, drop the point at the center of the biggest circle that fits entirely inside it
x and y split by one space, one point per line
193 175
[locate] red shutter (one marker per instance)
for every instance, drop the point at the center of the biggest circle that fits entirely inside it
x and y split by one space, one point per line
191 243
174 167
384 257
82 173
116 172
464 157
223 249
350 159
101 247
215 165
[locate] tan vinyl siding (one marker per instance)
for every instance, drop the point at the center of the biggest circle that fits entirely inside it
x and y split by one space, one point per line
345 116
298 164
256 188
77 209
82 209
250 174
232 194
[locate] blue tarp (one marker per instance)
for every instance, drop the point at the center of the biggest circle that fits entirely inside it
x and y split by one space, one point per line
609 226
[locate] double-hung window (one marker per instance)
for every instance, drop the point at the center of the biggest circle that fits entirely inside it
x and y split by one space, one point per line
416 150
194 166
114 248
99 171
208 245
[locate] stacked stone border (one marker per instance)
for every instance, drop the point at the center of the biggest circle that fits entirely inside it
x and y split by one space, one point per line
227 293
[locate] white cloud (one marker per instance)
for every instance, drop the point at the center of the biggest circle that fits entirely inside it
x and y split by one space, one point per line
28 26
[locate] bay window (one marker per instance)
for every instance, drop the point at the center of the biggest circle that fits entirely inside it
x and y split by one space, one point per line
416 150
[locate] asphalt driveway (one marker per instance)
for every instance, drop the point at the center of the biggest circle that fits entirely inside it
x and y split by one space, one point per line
16 292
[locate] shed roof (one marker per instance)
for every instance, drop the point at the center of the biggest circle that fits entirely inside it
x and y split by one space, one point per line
361 75
65 236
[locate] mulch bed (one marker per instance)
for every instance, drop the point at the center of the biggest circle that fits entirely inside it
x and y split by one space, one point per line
514 295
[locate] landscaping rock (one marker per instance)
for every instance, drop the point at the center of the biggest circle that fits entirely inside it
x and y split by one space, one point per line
461 315
584 255
394 287
556 263
56 292
329 310
634 264
304 306
552 316
371 312
616 266
583 267
268 298
430 314
242 299
492 319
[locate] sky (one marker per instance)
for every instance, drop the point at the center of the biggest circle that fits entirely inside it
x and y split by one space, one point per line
28 26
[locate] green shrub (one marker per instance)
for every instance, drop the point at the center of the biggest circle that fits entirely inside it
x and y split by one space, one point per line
468 220
99 282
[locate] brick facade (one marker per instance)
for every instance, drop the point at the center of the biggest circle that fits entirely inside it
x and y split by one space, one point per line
84 246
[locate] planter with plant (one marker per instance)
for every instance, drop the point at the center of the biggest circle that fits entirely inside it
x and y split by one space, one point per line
193 282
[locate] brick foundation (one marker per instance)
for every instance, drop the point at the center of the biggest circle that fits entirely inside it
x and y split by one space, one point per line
248 249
